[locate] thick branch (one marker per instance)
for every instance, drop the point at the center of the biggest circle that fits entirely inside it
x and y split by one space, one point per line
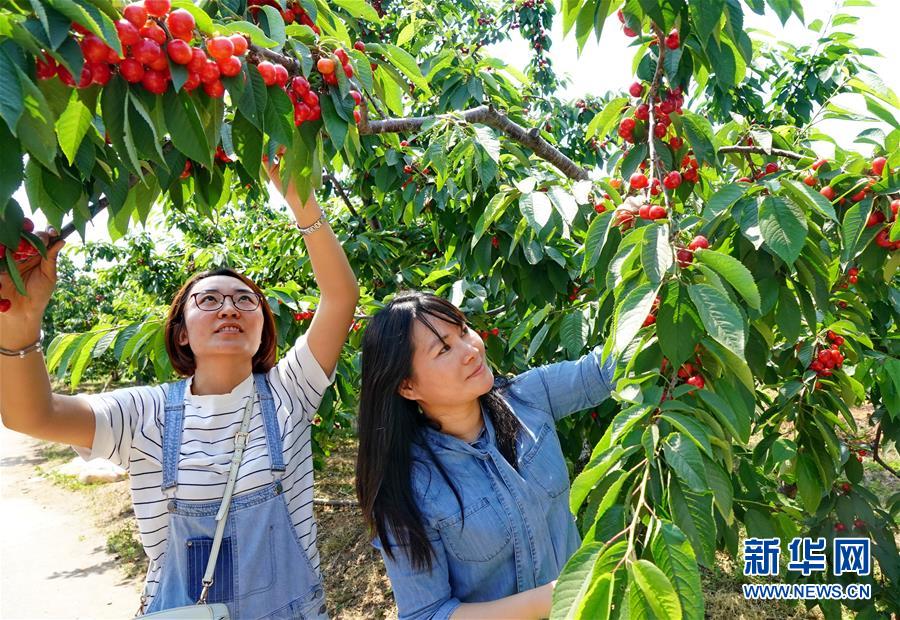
486 115
340 190
761 151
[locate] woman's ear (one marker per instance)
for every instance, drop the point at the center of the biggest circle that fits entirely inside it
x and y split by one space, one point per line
407 391
181 338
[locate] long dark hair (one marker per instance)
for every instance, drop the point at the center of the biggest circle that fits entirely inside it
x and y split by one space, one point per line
389 423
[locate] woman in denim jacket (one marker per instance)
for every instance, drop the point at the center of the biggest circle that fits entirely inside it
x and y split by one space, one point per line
461 477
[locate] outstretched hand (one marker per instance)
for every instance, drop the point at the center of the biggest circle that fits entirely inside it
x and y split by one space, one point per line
39 276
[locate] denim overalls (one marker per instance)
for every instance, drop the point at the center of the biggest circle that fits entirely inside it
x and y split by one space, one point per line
262 571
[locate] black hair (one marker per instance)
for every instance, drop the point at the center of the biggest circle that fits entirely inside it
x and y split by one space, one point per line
390 424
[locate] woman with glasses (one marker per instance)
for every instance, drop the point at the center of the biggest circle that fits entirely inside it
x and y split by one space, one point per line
177 440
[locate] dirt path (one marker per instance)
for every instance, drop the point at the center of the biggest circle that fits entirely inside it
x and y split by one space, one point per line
53 562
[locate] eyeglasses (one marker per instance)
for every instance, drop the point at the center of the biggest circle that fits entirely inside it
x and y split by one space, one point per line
213 300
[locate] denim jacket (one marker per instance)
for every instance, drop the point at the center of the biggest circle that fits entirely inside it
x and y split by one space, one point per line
518 531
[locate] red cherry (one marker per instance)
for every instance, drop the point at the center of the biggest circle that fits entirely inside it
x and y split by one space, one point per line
859 524
642 112
146 51
495 331
828 192
771 167
342 56
636 89
181 24
657 212
136 14
267 71
673 40
853 271
895 205
240 44
629 32
685 257
357 97
179 51
875 218
128 32
94 49
281 75
154 32
155 82
638 181
230 66
325 66
132 70
310 98
198 60
210 72
883 239
100 73
878 165
157 8
348 70
839 527
644 211
698 243
300 85
809 180
686 370
220 48
186 171
696 381
859 196
5 305
214 89
659 130
495 242
356 115
650 320
819 163
360 46
863 452
627 125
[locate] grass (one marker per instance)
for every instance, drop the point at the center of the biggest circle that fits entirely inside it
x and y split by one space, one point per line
124 544
66 481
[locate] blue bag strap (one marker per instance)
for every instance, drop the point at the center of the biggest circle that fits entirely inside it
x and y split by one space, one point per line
270 421
173 425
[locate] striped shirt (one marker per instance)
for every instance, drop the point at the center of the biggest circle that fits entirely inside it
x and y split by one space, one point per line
129 424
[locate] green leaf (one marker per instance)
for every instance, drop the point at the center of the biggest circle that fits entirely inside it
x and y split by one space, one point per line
783 226
253 100
186 128
656 252
597 234
657 589
808 486
705 15
275 24
574 581
631 313
537 341
700 136
604 120
724 197
574 331
359 9
591 475
11 168
494 210
693 513
684 457
852 227
678 325
720 484
257 36
248 144
72 126
84 355
401 59
278 116
868 82
336 126
12 100
77 14
35 129
738 426
721 318
691 428
808 197
673 555
536 208
734 273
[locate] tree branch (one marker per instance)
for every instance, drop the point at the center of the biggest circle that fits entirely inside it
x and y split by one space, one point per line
486 115
877 457
761 151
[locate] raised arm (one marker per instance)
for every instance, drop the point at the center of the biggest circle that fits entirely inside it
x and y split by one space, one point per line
337 282
27 404
563 388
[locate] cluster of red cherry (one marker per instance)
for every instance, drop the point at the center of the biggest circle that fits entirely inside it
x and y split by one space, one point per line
828 358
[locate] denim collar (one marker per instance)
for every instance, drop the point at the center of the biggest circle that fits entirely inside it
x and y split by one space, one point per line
437 439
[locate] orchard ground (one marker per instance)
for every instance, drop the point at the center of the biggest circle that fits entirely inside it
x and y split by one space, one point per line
355 578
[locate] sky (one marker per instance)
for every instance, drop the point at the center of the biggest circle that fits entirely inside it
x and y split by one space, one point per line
607 66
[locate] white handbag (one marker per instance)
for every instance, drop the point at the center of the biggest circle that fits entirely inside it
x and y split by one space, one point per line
203 610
